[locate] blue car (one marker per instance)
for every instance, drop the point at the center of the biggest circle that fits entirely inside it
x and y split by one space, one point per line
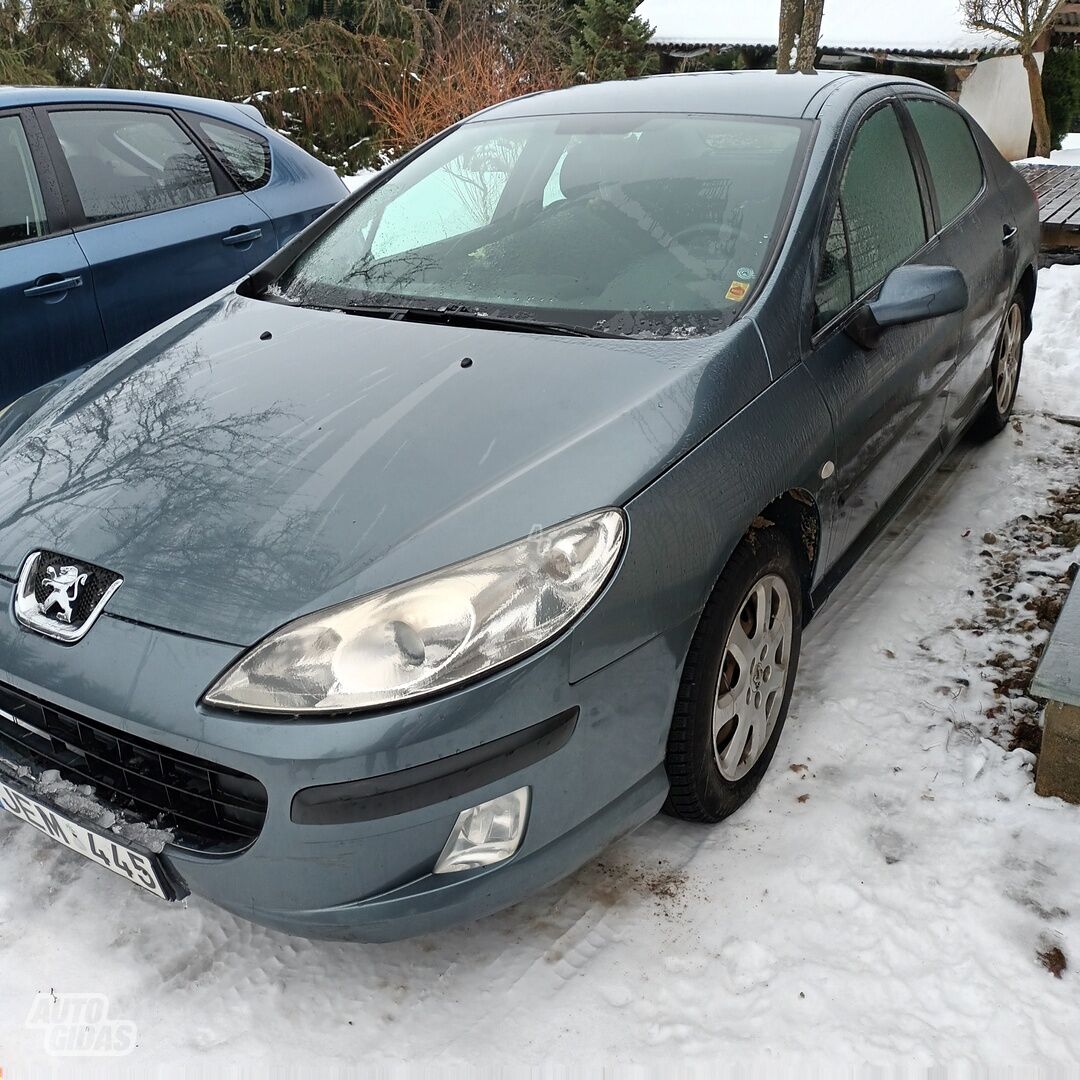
481 522
118 209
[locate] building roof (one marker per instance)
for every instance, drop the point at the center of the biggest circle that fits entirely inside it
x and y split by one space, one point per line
912 28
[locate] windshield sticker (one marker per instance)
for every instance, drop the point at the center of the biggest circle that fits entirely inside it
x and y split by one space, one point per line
738 291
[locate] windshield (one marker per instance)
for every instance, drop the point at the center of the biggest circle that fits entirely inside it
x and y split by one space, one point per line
636 225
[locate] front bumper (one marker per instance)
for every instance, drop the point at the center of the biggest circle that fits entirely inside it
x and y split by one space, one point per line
358 809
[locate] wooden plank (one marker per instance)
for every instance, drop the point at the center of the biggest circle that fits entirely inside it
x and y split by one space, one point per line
1051 185
1056 207
1058 675
1070 217
1062 214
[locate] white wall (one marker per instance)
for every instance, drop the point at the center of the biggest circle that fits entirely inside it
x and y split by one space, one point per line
997 95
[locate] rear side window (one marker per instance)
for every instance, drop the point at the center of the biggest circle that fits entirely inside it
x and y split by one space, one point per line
955 165
880 199
22 212
127 162
242 154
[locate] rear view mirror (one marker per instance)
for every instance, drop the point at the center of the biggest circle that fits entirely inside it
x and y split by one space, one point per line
910 294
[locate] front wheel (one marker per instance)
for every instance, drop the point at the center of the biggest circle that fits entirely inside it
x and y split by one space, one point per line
1004 373
737 681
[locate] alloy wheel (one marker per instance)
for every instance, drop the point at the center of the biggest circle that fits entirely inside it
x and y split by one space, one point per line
1007 368
753 677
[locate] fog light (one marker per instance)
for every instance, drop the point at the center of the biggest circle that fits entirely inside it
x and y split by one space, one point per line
486 834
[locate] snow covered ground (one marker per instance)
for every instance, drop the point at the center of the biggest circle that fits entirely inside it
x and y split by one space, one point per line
1069 154
884 897
360 178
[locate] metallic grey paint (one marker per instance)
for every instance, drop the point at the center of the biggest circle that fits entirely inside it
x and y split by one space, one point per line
263 479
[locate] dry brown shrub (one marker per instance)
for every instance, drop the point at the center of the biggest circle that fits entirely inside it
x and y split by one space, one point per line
470 71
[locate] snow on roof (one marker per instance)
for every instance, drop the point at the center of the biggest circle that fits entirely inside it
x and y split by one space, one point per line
922 27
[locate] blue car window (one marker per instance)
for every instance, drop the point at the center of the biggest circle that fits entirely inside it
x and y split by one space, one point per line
22 212
129 162
242 154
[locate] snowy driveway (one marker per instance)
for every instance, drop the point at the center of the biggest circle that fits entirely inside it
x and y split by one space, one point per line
883 896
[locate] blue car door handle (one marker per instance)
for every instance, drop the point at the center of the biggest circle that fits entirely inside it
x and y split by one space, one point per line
50 288
245 236
1008 234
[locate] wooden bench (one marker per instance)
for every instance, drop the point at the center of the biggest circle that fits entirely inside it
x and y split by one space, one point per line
1057 679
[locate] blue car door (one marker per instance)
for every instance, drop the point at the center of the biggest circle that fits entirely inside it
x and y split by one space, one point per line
160 222
49 321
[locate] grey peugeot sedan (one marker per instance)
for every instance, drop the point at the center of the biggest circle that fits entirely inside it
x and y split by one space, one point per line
482 522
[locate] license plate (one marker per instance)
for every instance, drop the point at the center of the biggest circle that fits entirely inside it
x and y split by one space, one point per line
139 868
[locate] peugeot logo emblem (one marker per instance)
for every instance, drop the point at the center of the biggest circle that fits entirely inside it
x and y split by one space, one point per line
63 585
61 596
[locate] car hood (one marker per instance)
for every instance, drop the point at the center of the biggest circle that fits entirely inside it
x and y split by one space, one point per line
249 462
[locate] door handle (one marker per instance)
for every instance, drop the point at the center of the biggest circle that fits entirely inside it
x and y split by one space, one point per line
1008 234
244 236
49 288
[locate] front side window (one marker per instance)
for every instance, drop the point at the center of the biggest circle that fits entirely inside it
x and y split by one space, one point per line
22 212
635 225
882 207
955 165
127 162
834 281
244 155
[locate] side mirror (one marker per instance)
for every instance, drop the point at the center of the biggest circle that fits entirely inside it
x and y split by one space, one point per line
910 294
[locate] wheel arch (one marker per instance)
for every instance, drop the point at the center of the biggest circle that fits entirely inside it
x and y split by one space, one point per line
1027 289
796 513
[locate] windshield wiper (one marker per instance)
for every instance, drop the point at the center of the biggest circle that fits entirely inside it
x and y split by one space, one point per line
460 315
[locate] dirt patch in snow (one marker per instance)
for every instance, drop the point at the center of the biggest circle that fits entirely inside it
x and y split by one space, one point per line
665 884
1053 959
1028 569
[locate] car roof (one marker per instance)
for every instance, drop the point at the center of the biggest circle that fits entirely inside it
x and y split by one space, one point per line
740 93
14 97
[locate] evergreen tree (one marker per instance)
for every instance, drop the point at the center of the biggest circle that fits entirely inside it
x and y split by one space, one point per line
611 41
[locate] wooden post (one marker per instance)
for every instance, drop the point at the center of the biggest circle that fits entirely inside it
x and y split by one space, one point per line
1059 759
1058 681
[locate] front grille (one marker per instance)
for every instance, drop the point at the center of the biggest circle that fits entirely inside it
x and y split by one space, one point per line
206 806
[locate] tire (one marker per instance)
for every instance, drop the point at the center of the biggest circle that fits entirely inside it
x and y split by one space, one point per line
1004 374
709 778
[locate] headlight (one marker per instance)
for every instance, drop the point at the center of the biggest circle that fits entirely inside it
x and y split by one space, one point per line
431 633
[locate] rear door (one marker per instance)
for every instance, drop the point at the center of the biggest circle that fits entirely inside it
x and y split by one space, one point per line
292 188
887 403
49 321
159 221
977 237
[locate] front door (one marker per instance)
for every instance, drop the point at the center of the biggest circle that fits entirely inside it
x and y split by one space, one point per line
49 321
887 403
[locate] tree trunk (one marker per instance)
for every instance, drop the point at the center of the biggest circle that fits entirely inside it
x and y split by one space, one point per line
791 17
809 35
1038 106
